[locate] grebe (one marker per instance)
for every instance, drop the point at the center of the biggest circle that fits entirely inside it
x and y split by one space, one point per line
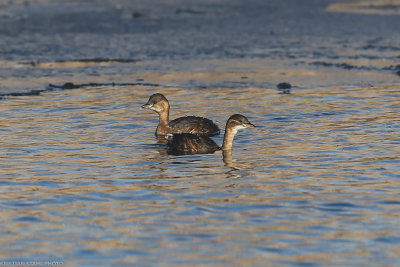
186 143
187 124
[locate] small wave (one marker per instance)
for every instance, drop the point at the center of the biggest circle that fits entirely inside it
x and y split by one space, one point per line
70 86
347 66
84 62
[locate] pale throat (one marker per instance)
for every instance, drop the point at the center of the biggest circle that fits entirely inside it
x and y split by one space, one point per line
164 116
229 135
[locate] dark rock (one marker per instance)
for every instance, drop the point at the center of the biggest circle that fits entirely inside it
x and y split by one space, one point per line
70 86
284 88
137 15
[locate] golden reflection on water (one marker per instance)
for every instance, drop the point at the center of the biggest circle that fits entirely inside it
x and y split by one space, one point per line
83 178
382 7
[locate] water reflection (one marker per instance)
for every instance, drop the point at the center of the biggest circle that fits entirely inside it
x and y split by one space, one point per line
82 178
227 158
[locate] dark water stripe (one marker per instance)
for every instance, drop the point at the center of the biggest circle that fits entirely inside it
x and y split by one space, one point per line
69 86
347 66
83 60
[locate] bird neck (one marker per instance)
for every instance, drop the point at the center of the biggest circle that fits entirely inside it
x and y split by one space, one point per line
164 116
163 127
228 138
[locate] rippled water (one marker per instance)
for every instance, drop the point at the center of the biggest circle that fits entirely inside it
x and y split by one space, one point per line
84 180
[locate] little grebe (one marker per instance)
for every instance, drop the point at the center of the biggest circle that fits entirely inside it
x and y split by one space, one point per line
185 143
187 124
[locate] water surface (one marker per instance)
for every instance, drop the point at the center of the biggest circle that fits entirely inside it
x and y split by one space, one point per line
83 179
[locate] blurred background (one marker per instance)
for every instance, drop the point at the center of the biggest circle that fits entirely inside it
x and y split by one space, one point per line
321 43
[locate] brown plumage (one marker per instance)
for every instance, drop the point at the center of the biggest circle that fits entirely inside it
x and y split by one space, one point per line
185 143
187 124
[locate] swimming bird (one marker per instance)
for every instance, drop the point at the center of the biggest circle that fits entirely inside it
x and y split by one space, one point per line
188 124
186 143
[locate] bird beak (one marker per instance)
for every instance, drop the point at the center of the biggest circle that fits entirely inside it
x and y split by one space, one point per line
250 125
147 106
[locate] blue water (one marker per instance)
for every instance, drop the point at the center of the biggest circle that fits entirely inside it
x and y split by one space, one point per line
88 183
83 180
